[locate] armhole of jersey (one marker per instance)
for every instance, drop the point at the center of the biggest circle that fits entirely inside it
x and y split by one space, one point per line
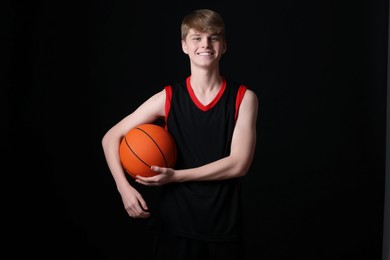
168 99
239 97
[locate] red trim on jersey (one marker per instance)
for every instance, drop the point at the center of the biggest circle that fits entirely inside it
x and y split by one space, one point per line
240 96
196 100
168 99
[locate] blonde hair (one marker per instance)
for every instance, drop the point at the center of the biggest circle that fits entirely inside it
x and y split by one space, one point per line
203 20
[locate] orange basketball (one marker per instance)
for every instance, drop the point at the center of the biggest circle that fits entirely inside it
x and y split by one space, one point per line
144 146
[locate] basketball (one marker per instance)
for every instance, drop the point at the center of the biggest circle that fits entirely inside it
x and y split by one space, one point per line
144 146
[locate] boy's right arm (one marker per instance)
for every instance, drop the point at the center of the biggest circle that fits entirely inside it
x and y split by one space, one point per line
148 112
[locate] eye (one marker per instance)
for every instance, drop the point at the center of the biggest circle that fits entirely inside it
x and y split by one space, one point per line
214 38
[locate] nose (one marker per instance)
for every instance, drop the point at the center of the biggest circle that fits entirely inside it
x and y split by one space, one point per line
205 42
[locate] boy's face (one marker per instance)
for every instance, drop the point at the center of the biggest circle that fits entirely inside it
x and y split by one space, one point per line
204 49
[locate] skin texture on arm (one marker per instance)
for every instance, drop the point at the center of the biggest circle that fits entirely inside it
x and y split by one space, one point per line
148 112
235 165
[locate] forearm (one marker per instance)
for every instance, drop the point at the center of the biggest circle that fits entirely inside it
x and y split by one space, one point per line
225 168
110 148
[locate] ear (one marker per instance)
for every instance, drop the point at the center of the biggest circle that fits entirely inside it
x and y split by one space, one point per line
224 48
184 46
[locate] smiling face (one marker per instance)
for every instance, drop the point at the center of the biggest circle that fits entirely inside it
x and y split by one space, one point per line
203 38
203 48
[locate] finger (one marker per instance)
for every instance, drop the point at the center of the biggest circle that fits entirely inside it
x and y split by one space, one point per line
155 168
144 214
131 212
142 203
147 183
141 213
145 179
138 212
137 207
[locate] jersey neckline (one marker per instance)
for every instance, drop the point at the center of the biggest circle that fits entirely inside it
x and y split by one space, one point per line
196 100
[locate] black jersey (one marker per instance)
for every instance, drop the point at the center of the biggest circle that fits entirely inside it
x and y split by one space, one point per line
207 210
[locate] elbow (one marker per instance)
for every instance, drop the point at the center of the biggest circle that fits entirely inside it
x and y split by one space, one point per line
240 170
241 165
242 173
111 140
105 142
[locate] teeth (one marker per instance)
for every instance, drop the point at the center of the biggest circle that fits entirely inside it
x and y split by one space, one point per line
204 53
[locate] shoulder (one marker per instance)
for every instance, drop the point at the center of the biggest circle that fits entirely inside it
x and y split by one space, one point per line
250 96
250 99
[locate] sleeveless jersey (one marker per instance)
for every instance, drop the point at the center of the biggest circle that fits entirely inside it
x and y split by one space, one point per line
206 210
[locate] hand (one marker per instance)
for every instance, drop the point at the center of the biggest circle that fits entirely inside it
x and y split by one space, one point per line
135 205
165 176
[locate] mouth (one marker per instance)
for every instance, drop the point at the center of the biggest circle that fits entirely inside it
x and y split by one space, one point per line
206 53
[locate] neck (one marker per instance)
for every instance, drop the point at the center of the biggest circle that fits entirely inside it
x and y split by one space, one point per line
205 82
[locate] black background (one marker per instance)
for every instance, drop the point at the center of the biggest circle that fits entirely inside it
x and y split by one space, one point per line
71 70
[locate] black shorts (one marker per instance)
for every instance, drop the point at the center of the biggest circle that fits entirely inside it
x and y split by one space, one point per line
170 247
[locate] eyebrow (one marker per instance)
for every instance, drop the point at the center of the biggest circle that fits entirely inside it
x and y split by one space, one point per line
200 33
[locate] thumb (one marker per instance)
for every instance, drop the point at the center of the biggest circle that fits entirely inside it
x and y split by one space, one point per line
143 204
155 168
